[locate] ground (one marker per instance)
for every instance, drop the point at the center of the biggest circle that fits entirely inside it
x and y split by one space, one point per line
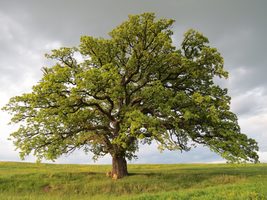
179 181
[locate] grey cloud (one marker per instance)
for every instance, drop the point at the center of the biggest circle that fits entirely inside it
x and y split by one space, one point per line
237 28
150 154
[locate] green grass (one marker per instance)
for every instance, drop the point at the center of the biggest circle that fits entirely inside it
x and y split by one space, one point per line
180 181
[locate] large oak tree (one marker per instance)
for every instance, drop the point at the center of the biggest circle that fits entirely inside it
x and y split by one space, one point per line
133 87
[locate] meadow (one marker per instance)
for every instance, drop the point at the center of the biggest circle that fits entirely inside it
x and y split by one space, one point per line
32 181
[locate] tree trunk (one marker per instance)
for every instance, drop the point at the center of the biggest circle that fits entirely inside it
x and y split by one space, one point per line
119 167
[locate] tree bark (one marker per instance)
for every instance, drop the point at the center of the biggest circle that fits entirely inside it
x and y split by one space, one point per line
119 167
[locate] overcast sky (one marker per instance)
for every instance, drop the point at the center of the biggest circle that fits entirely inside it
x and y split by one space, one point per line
237 28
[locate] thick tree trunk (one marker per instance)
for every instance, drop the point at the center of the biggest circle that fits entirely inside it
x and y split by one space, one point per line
119 167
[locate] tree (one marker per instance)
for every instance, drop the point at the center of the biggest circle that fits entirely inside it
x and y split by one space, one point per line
134 87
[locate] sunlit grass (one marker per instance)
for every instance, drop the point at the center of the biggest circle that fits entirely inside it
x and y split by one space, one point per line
180 181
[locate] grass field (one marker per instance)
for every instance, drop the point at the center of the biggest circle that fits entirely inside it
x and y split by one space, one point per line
180 181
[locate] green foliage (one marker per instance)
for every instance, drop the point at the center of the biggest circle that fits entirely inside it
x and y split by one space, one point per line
184 181
133 87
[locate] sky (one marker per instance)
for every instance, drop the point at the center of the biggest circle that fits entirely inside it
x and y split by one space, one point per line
237 28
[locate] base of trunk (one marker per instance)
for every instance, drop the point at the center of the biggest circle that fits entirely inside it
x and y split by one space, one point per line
119 167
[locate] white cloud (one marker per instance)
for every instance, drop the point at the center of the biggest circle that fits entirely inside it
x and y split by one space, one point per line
255 126
52 45
250 102
263 157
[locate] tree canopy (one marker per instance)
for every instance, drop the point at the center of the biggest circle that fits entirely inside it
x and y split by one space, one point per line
133 87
